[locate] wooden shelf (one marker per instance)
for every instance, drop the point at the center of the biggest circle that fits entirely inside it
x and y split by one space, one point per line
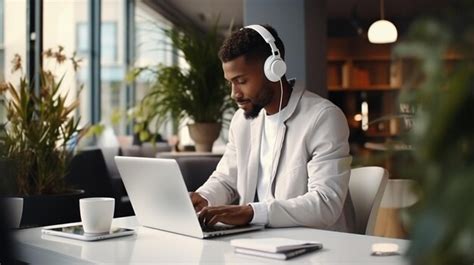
336 58
378 134
388 146
452 55
333 58
382 87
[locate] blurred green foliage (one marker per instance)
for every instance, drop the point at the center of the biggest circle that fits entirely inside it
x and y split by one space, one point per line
38 139
442 223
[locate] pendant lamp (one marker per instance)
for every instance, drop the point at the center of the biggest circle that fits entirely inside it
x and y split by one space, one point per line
382 31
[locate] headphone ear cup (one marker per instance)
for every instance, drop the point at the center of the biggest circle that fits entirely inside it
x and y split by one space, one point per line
274 68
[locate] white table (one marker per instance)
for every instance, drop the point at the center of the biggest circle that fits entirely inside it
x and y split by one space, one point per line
150 246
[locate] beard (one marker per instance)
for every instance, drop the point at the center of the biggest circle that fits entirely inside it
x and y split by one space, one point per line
256 105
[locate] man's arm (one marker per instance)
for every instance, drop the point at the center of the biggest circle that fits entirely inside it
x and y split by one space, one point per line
198 201
221 187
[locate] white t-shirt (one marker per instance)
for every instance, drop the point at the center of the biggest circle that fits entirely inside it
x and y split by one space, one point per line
271 127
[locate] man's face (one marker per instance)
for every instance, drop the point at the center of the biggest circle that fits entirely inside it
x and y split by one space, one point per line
250 89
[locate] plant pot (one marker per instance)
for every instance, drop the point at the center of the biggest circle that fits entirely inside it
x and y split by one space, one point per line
7 181
204 135
41 210
13 209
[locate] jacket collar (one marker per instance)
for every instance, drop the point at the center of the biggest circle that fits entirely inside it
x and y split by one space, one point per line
256 132
295 97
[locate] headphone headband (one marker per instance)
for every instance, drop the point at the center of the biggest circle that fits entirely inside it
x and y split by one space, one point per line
266 35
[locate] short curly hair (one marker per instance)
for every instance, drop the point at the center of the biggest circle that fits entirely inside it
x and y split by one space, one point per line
248 42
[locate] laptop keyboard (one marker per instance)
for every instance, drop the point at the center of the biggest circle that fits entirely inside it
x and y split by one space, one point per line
216 228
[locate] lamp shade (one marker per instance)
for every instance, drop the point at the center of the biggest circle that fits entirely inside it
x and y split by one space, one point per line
382 31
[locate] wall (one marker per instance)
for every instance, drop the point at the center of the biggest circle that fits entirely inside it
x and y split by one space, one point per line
301 24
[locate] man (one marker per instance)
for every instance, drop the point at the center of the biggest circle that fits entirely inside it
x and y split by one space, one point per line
288 164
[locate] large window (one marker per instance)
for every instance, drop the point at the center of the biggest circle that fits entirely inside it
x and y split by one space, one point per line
108 39
13 36
12 41
1 21
82 38
67 24
59 22
112 72
2 60
109 42
113 107
152 48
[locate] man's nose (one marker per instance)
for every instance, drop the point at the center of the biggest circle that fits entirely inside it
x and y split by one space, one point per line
235 92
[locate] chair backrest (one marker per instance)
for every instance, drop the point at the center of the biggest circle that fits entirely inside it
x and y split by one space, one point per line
109 153
399 193
366 186
196 170
88 171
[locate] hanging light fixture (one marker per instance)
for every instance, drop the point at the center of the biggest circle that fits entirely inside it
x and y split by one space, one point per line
382 31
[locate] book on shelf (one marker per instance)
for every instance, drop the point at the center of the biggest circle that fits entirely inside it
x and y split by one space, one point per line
276 248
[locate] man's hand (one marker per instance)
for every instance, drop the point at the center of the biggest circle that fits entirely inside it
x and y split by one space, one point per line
198 201
229 214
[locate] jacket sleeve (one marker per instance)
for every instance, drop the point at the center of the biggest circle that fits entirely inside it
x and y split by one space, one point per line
221 187
328 176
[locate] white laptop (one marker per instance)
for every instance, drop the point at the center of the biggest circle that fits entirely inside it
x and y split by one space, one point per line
160 199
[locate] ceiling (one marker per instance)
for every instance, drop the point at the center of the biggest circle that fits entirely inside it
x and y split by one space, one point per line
204 12
370 9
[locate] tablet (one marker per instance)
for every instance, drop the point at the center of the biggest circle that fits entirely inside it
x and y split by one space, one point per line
76 231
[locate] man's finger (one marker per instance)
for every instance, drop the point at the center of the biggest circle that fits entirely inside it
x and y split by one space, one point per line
214 220
202 214
210 212
198 207
218 209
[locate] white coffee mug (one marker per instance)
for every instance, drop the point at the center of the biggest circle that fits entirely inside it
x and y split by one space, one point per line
97 214
14 210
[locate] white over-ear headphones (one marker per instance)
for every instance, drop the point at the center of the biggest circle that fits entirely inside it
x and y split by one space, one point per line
274 66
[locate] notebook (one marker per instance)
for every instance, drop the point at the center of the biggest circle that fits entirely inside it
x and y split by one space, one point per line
276 248
279 255
161 201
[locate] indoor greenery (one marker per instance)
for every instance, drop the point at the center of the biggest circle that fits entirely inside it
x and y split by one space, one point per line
40 128
442 223
198 92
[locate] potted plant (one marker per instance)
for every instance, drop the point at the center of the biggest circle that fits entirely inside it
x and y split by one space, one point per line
442 223
36 144
198 92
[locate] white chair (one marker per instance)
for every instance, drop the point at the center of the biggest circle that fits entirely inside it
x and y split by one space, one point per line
366 186
399 194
